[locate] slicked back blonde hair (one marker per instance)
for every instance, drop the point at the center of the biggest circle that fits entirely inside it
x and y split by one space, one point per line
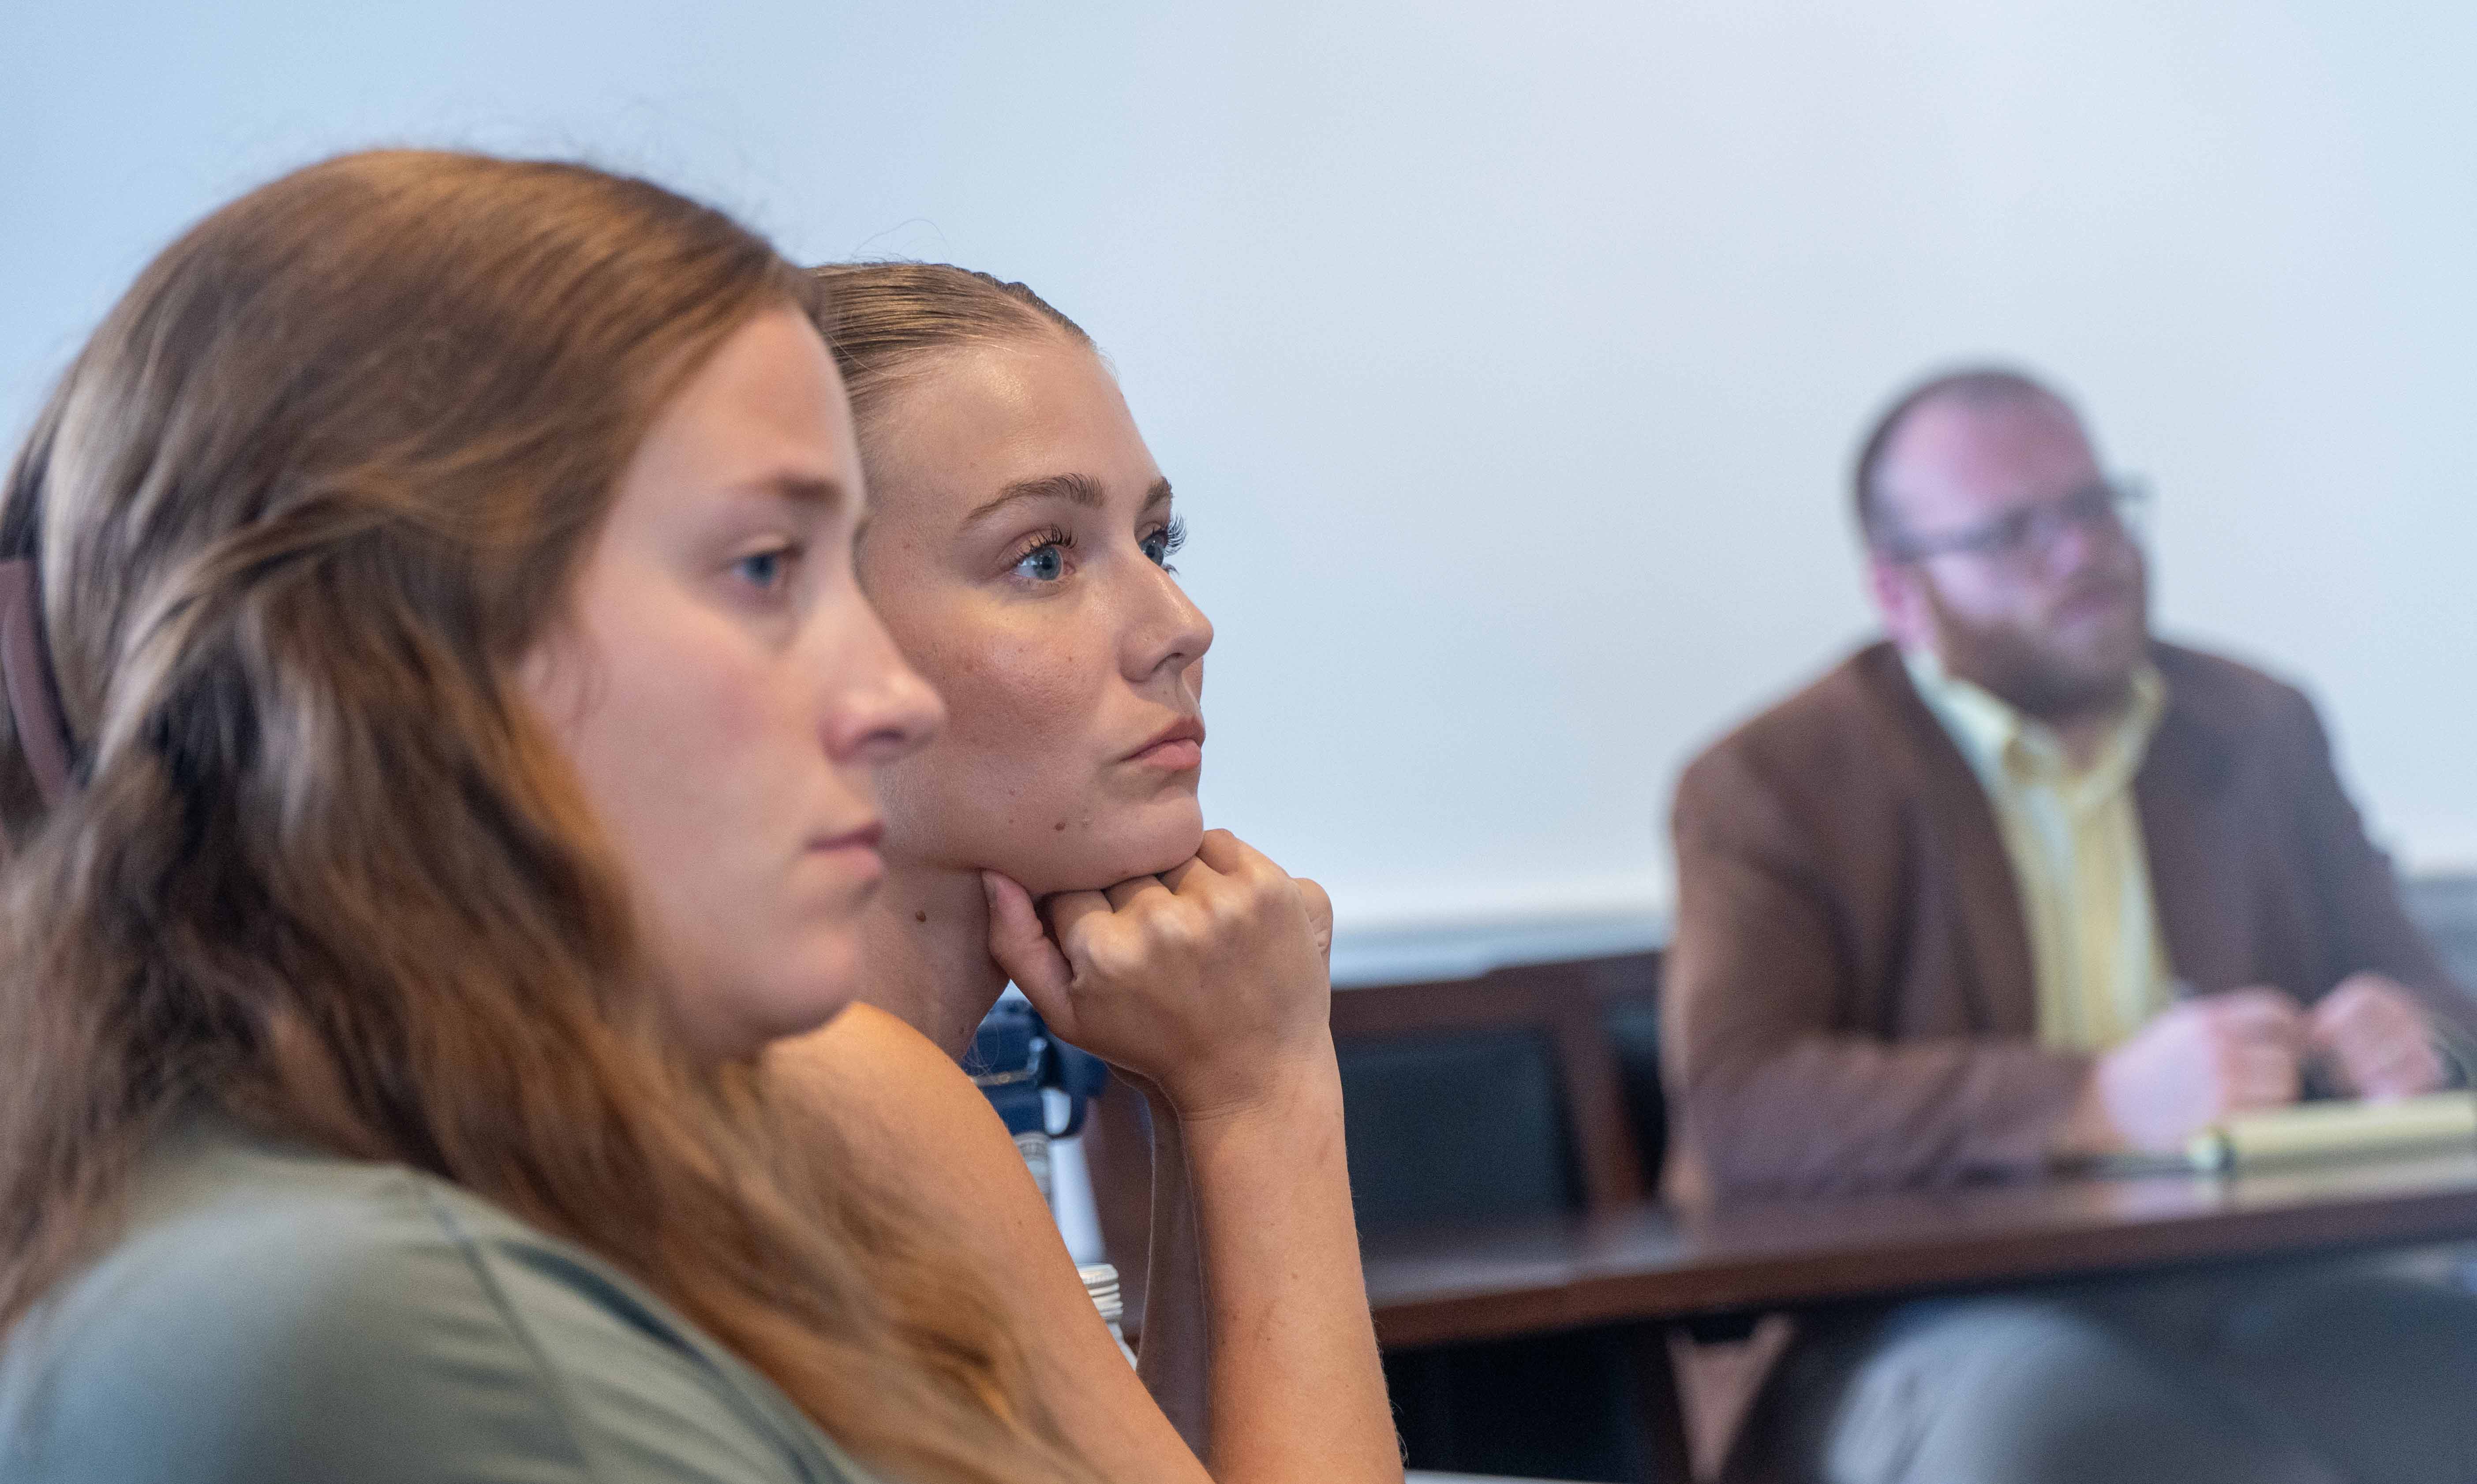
893 320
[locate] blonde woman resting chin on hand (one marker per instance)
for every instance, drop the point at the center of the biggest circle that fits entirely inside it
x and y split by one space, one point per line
1018 550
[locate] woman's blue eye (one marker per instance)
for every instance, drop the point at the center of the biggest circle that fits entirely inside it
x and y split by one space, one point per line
1043 563
1163 542
762 570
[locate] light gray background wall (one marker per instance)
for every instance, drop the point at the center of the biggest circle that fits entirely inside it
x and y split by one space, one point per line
1507 358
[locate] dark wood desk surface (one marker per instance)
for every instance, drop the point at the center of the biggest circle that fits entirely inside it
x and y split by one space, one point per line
1646 1261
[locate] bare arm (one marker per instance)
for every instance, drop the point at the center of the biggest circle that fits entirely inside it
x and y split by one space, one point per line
1211 981
1252 1166
909 1113
1174 1357
1294 1360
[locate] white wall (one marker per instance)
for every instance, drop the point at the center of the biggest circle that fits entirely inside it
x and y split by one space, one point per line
1507 363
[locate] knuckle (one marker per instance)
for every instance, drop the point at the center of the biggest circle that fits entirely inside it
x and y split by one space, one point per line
1165 924
1260 899
1110 955
1183 931
1207 910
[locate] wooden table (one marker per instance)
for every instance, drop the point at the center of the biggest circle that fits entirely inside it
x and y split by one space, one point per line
1647 1263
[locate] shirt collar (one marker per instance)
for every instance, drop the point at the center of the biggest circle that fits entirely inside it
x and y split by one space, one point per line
2006 747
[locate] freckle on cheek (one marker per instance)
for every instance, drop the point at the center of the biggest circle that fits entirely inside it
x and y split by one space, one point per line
920 916
1060 826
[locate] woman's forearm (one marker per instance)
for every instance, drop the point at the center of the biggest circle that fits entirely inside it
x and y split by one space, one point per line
1173 1356
1296 1389
1211 981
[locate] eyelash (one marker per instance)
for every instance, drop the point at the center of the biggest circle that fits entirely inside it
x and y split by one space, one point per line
1038 540
1172 536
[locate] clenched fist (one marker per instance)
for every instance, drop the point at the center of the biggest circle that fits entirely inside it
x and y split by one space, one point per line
1208 980
2375 1038
2200 1062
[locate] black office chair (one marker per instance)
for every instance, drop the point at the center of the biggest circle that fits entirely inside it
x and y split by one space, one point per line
1531 1091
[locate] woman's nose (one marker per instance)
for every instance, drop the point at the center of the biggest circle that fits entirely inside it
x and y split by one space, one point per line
1172 633
886 710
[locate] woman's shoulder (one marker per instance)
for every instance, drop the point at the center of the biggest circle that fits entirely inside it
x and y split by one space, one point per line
277 1314
874 1062
902 1105
898 1098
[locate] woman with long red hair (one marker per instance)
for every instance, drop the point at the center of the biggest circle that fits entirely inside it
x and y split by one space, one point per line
444 736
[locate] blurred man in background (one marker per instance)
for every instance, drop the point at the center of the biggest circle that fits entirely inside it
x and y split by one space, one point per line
2022 885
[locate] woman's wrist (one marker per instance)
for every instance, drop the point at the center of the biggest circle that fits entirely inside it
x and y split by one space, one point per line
1301 1080
1161 1114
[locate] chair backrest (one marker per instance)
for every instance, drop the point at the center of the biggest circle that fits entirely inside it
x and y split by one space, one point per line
1527 1089
1502 1095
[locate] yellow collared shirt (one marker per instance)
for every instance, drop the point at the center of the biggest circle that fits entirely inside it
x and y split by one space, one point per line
2079 863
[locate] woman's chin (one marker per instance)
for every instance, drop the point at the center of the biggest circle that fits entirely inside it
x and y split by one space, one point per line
1091 861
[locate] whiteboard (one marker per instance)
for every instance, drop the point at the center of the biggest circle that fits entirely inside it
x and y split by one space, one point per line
1506 359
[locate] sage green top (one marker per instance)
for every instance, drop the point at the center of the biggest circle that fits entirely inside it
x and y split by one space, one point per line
278 1315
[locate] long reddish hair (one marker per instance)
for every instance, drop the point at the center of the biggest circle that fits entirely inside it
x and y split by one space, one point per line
297 509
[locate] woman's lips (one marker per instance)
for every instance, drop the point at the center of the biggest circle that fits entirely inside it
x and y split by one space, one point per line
1177 754
865 837
1176 747
851 857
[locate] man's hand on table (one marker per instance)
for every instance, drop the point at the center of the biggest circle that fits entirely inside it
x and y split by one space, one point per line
2210 1058
2375 1040
2199 1062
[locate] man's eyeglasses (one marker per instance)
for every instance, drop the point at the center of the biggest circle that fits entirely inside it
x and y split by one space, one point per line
2112 507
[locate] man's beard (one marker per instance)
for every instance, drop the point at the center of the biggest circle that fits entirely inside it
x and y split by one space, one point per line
2035 677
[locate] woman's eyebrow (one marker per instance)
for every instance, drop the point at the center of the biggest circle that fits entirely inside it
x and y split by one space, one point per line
1158 494
1081 489
805 490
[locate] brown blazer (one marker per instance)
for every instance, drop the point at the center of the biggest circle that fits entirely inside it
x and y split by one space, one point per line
1848 996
